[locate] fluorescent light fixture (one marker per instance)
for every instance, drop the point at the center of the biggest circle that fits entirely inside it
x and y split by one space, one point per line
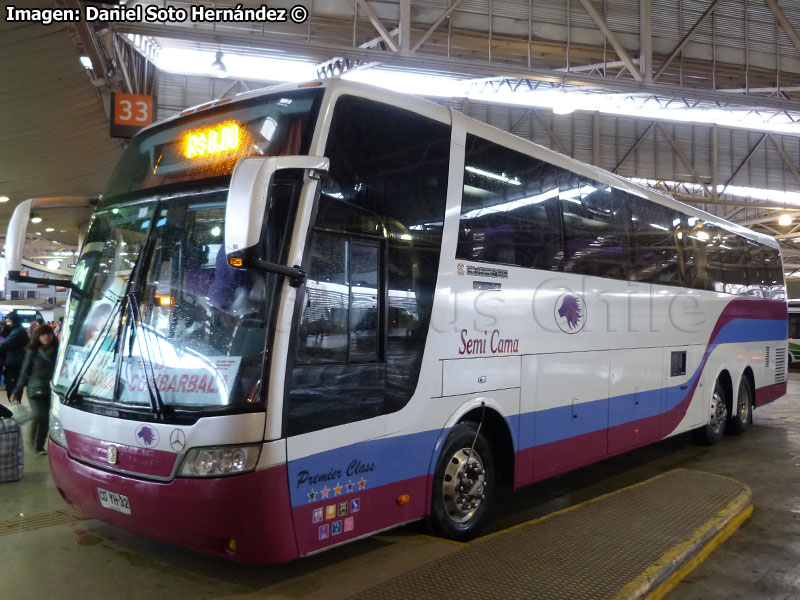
785 219
36 219
217 68
659 227
194 62
49 229
53 264
792 198
564 105
4 198
409 83
86 62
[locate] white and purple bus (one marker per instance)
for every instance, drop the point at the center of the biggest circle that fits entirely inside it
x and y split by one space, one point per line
320 311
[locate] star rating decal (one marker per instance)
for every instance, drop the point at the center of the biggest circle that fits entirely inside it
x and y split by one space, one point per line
312 496
325 492
362 484
338 489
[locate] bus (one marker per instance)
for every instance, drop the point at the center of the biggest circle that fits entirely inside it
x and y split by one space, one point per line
320 311
26 316
794 331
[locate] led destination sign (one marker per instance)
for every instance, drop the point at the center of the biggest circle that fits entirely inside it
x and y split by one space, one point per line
215 140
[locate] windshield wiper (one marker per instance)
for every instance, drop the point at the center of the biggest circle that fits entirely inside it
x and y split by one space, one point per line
72 391
156 401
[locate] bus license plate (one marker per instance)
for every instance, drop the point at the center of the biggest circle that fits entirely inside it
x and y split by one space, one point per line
114 501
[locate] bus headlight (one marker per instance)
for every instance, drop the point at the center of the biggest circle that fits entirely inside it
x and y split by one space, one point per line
57 432
218 461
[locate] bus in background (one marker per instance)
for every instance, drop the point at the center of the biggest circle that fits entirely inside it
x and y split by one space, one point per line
794 331
26 316
320 311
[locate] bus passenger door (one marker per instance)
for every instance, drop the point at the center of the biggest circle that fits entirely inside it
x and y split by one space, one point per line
571 419
334 413
635 398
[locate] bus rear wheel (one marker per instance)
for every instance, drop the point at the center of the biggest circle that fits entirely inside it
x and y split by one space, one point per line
712 432
463 484
743 415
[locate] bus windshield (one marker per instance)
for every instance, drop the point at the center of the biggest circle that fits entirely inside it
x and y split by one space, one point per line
187 327
159 319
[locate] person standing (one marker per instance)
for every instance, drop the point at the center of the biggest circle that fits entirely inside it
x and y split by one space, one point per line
13 348
59 326
36 372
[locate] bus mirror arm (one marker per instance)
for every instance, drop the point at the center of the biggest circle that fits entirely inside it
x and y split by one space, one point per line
16 276
296 275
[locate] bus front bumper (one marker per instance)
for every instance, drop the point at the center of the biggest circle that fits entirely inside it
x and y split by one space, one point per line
245 518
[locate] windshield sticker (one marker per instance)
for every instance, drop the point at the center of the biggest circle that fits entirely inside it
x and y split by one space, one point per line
199 380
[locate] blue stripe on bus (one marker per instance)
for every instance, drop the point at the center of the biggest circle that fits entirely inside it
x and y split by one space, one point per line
388 460
377 462
557 424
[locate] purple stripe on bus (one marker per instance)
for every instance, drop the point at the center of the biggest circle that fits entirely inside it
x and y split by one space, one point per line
141 461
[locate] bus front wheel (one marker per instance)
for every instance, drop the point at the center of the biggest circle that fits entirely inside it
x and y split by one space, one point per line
712 432
463 484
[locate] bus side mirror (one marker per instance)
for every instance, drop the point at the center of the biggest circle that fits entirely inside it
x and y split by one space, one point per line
246 208
16 235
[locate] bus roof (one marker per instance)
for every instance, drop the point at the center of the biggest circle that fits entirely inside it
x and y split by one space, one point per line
490 132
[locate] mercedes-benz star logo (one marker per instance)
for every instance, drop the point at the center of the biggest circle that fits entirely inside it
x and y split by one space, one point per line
177 440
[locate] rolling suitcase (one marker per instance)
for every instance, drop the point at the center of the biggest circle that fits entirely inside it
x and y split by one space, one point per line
11 450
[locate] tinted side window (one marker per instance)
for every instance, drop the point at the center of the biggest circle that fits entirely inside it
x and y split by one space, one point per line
734 261
596 236
509 210
655 243
794 326
702 259
363 316
756 267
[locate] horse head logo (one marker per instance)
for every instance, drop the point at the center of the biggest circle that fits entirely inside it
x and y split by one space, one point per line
572 309
146 436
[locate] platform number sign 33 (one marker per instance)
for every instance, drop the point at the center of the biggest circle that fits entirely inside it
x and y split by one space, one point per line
131 112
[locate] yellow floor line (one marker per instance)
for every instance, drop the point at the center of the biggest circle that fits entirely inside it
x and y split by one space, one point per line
690 566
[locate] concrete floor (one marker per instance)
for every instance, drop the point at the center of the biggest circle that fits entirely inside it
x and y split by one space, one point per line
59 557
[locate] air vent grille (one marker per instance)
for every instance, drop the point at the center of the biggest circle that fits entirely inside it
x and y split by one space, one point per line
780 365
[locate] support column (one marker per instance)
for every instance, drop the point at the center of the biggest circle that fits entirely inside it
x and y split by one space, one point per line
405 27
646 39
596 139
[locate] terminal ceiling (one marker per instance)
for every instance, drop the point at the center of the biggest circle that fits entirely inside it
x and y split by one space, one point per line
741 56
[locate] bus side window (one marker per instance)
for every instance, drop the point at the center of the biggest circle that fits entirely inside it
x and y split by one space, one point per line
509 208
654 228
734 260
596 236
774 267
322 334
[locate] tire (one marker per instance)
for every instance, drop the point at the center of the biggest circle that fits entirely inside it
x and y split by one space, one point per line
743 415
460 513
711 432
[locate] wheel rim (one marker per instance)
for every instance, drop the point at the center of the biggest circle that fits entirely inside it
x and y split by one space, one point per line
719 412
464 485
744 403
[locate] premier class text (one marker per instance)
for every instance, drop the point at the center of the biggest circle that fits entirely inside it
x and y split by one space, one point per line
147 14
